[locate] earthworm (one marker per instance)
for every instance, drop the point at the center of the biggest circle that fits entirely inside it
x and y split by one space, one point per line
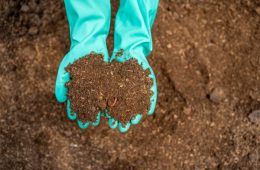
114 103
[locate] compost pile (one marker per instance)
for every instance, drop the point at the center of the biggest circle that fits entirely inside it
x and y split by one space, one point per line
206 60
120 89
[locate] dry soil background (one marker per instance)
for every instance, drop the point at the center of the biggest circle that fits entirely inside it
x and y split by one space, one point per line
206 58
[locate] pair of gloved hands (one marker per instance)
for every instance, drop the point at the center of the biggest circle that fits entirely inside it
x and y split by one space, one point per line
89 22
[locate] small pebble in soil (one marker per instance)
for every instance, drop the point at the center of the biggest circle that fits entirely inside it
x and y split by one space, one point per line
25 8
2 48
255 117
68 133
257 10
169 46
217 95
33 31
168 32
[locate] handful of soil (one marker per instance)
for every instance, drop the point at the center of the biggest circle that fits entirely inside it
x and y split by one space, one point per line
121 88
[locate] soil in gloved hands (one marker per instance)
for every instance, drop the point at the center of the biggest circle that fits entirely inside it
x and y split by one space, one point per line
121 88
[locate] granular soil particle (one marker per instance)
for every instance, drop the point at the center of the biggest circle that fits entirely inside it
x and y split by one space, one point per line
122 89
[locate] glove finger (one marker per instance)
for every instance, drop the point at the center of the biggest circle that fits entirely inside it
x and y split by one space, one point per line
136 119
124 128
71 116
62 78
112 123
83 125
154 95
98 118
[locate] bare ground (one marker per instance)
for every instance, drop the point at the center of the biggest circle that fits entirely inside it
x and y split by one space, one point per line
207 61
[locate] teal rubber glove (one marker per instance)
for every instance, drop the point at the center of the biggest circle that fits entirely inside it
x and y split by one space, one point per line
89 23
89 26
133 26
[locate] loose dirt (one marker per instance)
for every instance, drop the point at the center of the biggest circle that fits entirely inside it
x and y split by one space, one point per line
121 89
206 60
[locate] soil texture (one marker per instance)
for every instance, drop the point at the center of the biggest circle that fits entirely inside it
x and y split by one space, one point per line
122 89
207 65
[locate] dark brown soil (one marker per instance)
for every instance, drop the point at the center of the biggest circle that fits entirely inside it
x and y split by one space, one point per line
206 59
122 89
